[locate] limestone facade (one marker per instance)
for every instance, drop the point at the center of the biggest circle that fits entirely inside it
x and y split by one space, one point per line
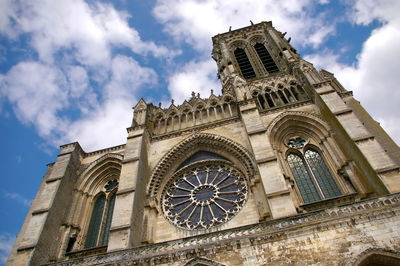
321 179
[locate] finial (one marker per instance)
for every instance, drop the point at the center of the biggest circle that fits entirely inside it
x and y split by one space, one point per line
172 101
288 40
212 92
251 23
193 94
198 95
283 34
159 104
230 28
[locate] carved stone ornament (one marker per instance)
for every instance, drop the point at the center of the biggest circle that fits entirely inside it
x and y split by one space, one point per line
204 195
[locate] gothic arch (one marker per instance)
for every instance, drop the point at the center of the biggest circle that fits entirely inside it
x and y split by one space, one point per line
197 142
295 122
97 173
202 262
376 256
309 157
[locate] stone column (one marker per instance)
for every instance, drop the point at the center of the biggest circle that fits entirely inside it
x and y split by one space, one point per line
40 236
276 191
125 231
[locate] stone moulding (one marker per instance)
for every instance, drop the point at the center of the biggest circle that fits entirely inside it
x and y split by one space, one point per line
233 239
190 143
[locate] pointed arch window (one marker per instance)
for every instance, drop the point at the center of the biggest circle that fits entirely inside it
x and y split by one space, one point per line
312 176
100 220
266 58
244 64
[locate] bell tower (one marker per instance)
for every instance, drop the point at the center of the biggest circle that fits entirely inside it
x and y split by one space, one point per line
251 55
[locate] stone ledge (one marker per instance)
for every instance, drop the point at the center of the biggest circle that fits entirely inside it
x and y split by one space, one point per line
363 138
53 179
26 247
40 211
125 191
387 169
134 159
343 112
256 131
267 159
278 193
120 227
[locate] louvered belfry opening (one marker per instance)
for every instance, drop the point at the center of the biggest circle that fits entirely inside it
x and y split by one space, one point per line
244 64
266 58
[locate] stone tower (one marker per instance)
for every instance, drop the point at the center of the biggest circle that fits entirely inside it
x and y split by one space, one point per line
284 166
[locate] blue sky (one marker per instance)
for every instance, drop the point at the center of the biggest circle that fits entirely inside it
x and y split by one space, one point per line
72 70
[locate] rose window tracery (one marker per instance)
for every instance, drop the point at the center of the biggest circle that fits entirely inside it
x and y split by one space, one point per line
204 195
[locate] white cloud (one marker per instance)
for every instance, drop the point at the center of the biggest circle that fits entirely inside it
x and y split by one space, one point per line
7 17
126 77
88 32
364 12
104 127
37 92
6 243
17 197
199 77
78 74
196 21
374 78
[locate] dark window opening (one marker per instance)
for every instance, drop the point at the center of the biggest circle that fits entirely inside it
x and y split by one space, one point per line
71 243
266 58
269 100
288 95
201 156
283 98
302 92
295 94
95 222
262 101
244 64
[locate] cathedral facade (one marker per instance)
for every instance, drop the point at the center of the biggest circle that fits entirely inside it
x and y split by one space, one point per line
283 167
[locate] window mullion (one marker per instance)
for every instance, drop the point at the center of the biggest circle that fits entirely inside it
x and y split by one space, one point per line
103 218
313 178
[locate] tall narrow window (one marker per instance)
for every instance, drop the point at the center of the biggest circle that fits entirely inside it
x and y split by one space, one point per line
244 64
95 222
266 58
100 220
311 174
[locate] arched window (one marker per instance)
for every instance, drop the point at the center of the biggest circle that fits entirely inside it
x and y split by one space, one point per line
244 64
266 58
100 220
312 176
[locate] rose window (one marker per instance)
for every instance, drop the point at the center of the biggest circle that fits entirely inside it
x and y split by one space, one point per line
202 196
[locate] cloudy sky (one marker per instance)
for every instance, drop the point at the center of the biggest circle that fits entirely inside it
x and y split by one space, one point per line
72 70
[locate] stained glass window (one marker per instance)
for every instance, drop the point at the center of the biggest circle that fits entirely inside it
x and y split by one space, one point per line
108 221
100 221
95 222
204 196
311 173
